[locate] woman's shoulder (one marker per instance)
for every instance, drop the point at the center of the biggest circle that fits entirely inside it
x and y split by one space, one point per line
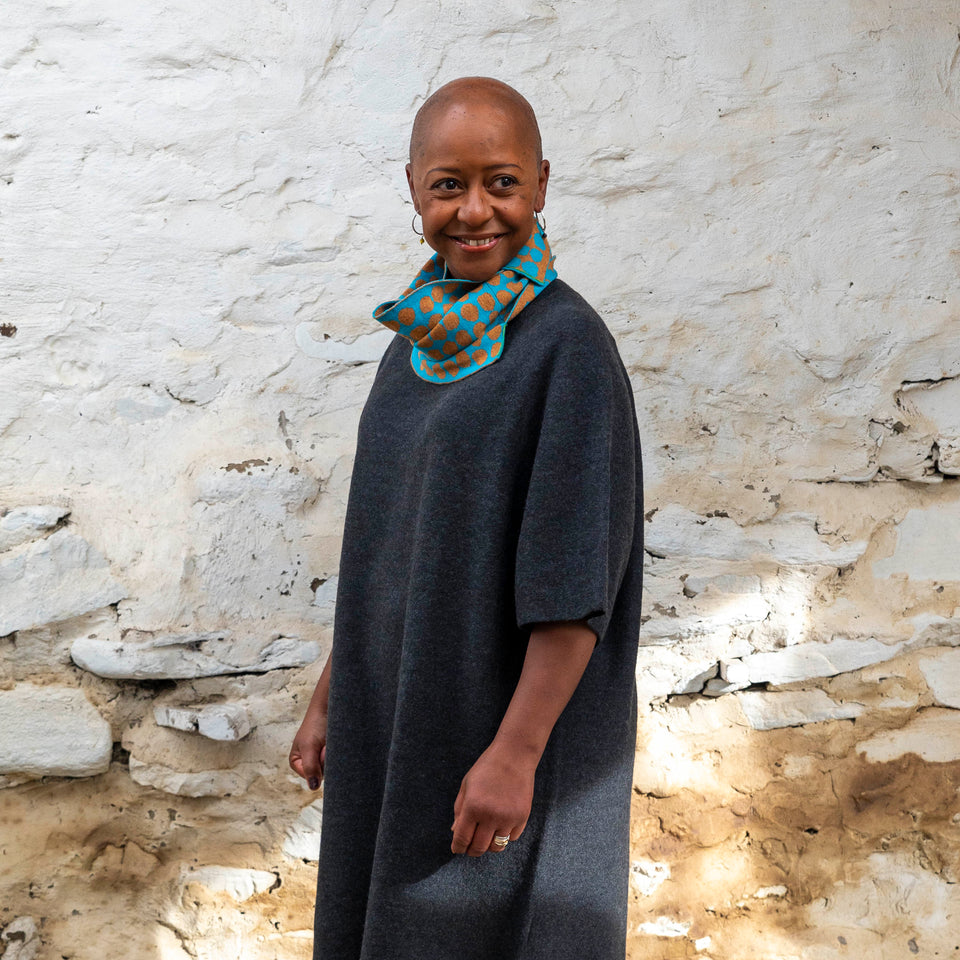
560 322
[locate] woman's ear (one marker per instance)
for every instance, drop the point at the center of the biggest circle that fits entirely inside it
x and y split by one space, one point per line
413 189
542 179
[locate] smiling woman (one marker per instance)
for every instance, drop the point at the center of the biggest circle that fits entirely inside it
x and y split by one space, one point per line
475 722
477 178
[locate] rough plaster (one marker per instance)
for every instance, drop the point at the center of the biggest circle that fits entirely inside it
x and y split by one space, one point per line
199 212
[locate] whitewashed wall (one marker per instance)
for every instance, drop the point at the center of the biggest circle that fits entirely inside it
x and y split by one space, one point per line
199 206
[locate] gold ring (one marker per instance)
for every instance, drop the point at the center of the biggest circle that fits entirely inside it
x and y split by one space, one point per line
501 842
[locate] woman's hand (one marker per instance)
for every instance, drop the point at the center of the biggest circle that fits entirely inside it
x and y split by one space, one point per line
496 794
309 751
494 800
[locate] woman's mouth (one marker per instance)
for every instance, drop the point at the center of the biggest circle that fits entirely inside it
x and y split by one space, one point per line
478 243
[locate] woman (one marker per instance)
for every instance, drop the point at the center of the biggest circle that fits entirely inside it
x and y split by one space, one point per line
482 672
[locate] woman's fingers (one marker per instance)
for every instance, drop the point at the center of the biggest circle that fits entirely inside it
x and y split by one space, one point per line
482 841
463 831
307 756
500 841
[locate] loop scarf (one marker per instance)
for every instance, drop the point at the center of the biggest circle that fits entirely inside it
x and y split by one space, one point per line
457 327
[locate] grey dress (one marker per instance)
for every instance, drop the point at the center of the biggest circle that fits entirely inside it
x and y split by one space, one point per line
477 509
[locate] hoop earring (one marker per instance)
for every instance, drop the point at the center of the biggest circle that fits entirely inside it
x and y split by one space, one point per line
541 221
413 226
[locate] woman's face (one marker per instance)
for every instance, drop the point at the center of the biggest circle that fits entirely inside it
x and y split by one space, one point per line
476 182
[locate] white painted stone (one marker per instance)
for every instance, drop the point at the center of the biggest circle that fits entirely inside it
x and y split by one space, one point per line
302 841
189 655
767 710
224 722
696 683
325 599
219 721
237 882
764 893
938 404
53 579
675 531
364 349
647 876
664 927
177 718
21 524
724 585
926 545
663 671
934 735
735 671
202 783
52 731
805 661
21 938
941 670
718 687
948 455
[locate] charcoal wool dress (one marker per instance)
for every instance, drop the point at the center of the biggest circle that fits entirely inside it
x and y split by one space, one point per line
477 509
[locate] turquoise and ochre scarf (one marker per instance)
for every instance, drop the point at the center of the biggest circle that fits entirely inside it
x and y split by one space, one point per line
457 327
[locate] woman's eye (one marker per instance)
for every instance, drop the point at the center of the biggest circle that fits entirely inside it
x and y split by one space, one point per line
447 184
504 182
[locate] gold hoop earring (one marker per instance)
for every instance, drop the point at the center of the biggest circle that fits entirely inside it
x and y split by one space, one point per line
541 221
413 226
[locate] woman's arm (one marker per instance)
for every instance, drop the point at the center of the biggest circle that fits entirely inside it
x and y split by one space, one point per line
309 751
497 792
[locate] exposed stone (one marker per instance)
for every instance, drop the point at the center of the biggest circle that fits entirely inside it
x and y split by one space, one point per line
934 735
237 882
219 721
13 781
941 670
53 579
794 708
52 731
142 656
302 841
933 630
21 524
926 545
675 531
201 783
21 938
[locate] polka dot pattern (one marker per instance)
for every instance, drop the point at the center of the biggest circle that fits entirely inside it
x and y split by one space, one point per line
458 327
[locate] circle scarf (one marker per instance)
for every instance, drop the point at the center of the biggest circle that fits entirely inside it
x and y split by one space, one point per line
458 327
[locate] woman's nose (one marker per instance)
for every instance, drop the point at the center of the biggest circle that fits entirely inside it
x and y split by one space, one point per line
475 208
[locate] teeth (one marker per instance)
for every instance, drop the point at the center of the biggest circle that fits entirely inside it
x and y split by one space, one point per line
476 243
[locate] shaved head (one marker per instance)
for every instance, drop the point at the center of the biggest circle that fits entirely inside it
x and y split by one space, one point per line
468 92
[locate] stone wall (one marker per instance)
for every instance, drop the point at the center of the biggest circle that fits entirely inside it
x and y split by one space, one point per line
199 207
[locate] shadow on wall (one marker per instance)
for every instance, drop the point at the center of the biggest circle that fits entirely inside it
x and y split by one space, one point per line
795 789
